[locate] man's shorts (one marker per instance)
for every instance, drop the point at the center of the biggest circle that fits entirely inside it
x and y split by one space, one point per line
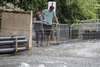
47 29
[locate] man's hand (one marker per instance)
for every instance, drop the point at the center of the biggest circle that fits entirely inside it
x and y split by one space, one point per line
45 21
57 23
48 22
40 21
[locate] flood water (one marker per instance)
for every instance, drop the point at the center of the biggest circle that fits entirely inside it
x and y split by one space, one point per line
72 54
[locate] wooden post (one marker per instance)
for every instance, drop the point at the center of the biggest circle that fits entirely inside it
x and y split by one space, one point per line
7 35
16 45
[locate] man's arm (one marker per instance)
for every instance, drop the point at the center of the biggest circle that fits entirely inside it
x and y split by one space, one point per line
45 21
56 18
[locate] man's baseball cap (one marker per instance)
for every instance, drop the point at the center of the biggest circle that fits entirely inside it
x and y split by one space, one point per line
51 7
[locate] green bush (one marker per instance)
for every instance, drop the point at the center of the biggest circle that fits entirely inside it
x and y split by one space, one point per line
68 11
27 5
73 11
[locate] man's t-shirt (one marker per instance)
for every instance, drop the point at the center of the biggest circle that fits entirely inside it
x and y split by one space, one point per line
48 16
38 18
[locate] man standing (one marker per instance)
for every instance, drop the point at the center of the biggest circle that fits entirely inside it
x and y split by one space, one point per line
48 16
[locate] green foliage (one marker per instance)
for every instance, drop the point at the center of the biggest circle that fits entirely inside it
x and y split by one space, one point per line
68 11
27 5
73 11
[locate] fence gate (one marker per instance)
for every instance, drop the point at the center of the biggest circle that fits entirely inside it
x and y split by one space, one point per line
74 32
62 32
89 30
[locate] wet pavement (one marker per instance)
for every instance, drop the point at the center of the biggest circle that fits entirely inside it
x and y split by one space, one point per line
71 54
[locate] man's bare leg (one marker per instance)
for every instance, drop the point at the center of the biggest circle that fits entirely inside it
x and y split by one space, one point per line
37 45
41 44
48 39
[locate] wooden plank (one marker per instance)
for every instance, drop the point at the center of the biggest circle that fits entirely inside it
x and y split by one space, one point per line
18 24
16 45
7 35
7 9
15 21
18 10
30 37
12 9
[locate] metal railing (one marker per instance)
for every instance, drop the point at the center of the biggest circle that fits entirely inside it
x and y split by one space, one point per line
60 32
74 32
89 31
85 30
